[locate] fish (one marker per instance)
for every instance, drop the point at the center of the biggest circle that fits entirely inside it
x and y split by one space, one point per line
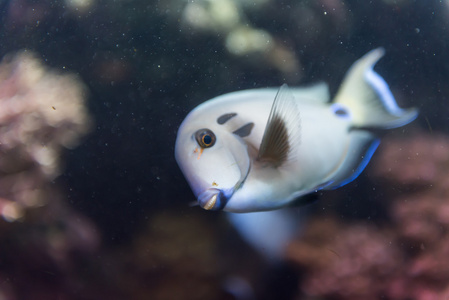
264 149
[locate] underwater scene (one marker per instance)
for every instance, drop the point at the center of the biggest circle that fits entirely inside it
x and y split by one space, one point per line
318 171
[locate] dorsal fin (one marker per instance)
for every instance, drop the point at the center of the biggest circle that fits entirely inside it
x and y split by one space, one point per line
283 131
317 93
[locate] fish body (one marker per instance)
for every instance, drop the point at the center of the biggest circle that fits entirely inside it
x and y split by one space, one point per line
263 149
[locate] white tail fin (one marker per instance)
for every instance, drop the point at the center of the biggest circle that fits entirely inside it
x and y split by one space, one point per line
366 94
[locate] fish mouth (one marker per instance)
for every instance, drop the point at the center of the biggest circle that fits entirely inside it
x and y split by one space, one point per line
216 199
213 199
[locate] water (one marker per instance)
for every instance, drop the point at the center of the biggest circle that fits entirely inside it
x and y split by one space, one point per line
115 221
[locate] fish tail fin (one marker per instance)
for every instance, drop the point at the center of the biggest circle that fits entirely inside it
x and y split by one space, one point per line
366 94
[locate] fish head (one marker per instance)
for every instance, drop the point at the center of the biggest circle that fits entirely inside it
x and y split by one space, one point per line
214 161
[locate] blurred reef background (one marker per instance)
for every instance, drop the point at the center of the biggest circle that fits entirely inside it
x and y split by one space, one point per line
93 205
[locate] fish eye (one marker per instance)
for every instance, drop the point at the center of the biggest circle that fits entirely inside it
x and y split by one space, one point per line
205 138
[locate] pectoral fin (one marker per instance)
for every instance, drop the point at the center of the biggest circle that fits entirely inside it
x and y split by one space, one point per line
283 131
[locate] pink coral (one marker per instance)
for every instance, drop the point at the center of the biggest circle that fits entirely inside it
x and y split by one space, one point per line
41 112
345 260
406 258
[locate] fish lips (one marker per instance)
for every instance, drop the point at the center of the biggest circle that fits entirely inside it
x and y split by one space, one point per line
214 199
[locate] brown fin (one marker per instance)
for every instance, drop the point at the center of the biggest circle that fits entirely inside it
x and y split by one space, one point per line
282 133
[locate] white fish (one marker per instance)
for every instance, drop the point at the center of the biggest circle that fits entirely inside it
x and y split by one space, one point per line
262 149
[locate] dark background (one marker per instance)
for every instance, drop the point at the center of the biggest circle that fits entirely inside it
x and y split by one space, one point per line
145 72
145 69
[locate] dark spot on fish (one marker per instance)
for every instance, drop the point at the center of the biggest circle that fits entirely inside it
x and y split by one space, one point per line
341 112
224 118
245 130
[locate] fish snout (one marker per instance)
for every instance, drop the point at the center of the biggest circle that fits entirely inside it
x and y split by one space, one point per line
213 199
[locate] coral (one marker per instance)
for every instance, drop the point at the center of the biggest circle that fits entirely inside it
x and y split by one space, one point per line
227 18
44 240
351 261
406 256
41 112
174 251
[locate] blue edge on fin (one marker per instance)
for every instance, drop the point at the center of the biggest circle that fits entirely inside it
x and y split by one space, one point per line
369 153
384 92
